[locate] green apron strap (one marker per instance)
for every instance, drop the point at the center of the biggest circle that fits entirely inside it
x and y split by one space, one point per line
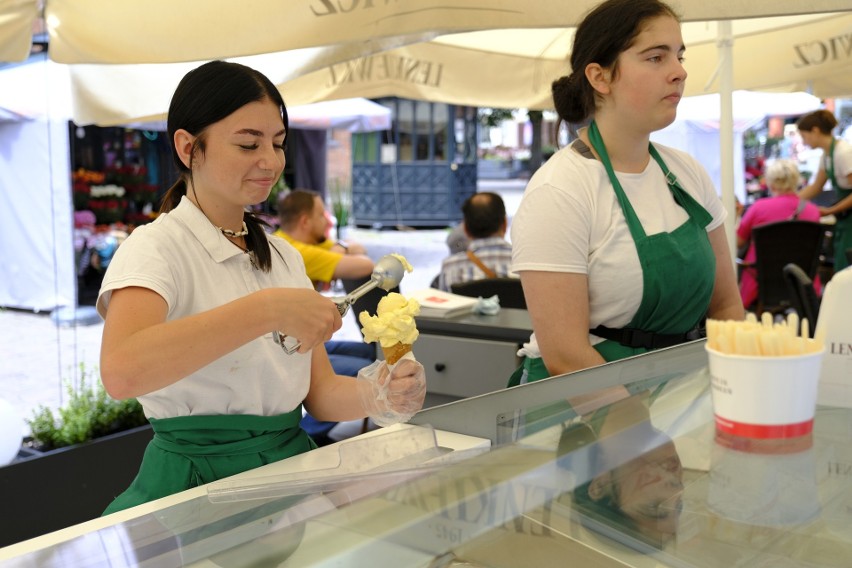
633 223
842 234
696 212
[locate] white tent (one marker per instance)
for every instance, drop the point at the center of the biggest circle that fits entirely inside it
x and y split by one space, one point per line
352 115
35 194
697 128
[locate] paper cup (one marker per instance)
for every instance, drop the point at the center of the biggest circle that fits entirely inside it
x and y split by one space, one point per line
764 397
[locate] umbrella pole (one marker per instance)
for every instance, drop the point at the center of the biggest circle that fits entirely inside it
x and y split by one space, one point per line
725 43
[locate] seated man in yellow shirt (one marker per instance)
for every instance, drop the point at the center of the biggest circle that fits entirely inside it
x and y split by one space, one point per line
304 224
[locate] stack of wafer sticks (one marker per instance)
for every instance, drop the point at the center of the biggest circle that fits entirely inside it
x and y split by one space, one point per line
762 338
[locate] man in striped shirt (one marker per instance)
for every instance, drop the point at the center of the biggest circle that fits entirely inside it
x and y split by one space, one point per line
489 254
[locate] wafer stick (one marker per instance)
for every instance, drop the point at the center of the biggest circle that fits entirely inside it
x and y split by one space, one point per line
764 338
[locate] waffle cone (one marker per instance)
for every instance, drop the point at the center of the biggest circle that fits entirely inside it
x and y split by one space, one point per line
395 352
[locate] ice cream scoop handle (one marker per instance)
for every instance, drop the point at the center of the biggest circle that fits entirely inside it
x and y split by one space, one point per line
290 346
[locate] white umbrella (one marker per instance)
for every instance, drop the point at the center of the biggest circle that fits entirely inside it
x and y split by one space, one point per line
17 18
163 31
504 68
157 31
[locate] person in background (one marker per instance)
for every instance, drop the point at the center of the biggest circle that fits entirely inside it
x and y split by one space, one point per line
193 302
836 166
620 244
783 179
457 239
304 224
488 253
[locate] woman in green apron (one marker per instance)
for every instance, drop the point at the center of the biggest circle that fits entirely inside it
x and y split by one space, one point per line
836 166
619 243
191 302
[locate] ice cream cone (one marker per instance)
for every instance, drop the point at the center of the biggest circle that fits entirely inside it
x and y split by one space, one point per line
395 352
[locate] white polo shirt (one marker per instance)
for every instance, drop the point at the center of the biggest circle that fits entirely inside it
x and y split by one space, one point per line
185 259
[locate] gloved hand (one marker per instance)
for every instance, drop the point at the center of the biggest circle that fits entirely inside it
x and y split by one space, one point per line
389 396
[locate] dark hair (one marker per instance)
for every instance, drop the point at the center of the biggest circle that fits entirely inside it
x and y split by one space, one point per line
294 204
821 119
605 32
204 96
484 214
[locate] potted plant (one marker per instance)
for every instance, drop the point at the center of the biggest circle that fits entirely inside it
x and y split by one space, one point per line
76 462
90 413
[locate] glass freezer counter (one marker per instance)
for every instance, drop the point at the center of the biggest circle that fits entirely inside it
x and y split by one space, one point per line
638 477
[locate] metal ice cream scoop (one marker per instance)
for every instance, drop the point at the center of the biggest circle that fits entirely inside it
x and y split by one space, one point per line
387 274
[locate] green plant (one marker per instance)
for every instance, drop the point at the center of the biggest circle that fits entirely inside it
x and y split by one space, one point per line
341 202
89 413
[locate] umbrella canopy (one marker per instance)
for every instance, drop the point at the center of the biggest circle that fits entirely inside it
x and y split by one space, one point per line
506 68
515 67
160 31
17 19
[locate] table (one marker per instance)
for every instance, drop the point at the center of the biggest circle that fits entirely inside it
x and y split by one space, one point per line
470 355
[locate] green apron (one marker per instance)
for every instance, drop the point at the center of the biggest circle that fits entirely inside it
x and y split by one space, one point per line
188 451
842 235
678 269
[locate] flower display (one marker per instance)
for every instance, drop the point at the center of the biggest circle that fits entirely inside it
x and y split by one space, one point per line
81 183
106 191
115 193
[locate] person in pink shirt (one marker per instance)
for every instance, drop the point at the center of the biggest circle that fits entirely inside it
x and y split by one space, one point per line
783 179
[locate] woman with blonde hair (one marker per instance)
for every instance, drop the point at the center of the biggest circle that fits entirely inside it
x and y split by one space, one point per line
783 179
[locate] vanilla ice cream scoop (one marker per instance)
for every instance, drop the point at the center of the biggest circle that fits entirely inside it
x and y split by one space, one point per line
393 323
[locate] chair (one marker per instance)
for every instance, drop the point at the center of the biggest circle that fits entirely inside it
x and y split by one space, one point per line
777 245
802 294
509 290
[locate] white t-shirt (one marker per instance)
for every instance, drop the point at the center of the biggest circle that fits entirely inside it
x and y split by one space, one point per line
569 220
185 259
842 163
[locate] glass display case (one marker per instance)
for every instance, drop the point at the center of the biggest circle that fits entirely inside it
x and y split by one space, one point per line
633 474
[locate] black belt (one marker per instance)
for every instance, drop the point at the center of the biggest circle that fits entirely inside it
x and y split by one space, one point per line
632 337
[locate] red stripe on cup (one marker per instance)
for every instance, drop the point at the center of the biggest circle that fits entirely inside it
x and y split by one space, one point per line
764 431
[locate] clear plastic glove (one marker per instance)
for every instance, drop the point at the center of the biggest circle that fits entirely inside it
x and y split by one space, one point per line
390 396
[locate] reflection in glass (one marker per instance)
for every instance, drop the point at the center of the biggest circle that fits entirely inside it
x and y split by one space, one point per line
635 477
765 490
